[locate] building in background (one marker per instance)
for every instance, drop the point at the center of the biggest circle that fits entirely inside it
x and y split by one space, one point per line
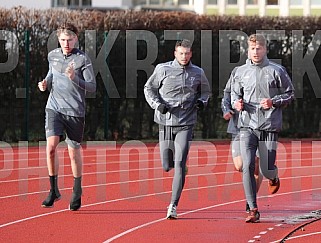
220 7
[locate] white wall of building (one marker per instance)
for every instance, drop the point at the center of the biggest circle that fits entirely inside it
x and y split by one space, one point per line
200 6
111 3
38 4
45 4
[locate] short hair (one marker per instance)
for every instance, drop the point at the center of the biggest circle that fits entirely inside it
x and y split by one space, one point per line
67 28
184 43
257 38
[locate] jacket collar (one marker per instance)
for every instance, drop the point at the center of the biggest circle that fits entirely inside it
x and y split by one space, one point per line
177 65
73 51
264 62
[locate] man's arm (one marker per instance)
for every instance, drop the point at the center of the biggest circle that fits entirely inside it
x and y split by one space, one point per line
237 95
49 78
226 101
151 89
89 81
287 91
204 92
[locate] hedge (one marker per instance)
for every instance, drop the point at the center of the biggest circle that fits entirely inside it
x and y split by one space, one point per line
118 109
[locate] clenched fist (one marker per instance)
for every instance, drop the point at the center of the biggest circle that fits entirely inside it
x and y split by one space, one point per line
70 70
239 105
42 85
266 103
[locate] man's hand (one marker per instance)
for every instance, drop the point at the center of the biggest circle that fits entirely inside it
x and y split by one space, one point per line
239 105
70 70
42 85
162 108
266 103
228 115
199 105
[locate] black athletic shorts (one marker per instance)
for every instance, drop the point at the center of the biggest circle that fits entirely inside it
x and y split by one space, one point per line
57 124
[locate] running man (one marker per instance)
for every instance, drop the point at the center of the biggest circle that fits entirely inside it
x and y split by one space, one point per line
176 91
232 116
69 77
261 89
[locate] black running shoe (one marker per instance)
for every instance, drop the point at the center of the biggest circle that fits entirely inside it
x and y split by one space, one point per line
52 197
75 202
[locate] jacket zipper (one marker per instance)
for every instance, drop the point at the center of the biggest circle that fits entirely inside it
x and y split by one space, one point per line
183 85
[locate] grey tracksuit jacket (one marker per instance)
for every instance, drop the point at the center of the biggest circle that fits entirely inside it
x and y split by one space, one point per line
227 106
68 96
252 83
178 87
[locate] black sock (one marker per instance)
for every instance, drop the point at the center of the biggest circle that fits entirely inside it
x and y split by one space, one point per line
77 185
54 184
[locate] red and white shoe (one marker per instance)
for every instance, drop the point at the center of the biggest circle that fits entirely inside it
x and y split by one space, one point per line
274 185
254 216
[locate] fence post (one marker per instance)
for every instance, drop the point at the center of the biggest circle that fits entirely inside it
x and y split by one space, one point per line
26 84
106 98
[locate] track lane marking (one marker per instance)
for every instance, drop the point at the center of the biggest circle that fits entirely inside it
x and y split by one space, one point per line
197 210
298 236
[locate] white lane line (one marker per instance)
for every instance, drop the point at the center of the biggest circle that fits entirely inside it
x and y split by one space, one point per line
279 225
32 217
123 182
135 181
82 206
133 229
106 171
109 159
162 219
299 236
112 161
114 200
154 194
196 210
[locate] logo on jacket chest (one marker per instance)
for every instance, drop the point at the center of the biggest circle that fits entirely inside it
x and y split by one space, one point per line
185 76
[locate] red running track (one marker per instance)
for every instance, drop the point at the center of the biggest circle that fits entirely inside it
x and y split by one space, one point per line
126 192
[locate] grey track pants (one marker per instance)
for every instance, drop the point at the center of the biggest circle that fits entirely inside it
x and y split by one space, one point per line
174 143
266 143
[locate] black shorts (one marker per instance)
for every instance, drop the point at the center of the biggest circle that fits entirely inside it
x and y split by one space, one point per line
57 124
